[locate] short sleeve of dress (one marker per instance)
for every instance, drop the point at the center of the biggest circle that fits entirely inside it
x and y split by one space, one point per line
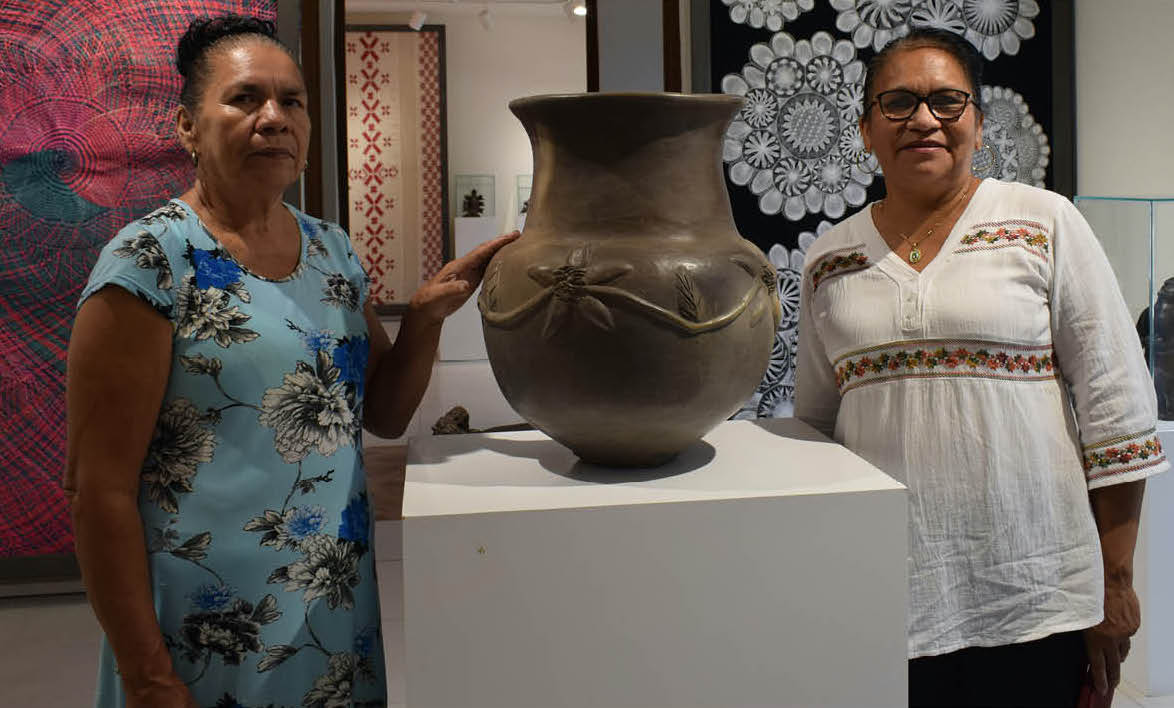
1101 359
137 260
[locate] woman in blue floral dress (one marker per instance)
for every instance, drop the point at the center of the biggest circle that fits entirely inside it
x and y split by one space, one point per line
223 364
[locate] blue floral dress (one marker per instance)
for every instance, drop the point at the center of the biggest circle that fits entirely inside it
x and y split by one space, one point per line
253 494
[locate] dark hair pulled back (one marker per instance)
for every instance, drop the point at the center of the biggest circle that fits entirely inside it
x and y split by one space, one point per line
204 35
927 37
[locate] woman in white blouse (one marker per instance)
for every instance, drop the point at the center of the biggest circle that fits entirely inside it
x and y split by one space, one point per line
968 337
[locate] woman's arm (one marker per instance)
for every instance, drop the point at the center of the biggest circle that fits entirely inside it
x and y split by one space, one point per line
398 375
119 361
1113 399
1117 510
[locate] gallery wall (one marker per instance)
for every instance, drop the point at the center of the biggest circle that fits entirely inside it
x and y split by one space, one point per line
1124 144
1124 98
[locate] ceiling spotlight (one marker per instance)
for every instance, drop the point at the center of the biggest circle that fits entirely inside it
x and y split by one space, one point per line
579 8
486 19
416 21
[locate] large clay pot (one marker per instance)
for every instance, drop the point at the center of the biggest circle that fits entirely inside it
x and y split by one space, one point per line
630 317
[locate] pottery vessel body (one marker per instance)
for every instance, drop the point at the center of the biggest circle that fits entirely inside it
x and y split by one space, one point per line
630 317
1163 344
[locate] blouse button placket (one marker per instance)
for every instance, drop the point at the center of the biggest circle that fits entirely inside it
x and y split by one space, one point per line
910 307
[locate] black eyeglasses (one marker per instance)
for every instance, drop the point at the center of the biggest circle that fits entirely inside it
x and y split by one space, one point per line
944 104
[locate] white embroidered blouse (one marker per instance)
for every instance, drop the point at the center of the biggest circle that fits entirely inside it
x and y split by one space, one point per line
999 385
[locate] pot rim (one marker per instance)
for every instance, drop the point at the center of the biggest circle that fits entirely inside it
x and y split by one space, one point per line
718 99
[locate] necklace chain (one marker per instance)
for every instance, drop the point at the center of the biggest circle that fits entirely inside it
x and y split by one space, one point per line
915 252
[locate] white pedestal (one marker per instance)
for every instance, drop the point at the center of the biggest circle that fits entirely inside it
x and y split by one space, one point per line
1149 665
766 566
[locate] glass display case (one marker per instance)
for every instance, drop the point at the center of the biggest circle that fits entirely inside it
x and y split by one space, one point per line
1138 237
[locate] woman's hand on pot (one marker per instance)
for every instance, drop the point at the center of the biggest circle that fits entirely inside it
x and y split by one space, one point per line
451 287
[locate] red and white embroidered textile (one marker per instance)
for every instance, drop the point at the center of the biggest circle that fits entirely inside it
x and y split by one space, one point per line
395 158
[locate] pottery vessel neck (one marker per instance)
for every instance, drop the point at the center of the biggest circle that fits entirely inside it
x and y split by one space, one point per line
636 164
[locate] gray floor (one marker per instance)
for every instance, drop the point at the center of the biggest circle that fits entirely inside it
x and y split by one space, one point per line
50 644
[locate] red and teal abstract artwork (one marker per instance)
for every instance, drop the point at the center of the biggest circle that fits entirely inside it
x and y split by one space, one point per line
88 94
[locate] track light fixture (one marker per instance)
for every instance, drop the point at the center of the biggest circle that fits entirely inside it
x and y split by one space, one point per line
575 8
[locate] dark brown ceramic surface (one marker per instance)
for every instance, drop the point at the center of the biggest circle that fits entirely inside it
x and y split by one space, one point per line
631 317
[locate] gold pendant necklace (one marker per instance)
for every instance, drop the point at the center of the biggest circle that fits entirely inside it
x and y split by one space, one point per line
915 254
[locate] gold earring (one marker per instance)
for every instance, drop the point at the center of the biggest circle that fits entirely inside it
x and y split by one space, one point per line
862 163
195 159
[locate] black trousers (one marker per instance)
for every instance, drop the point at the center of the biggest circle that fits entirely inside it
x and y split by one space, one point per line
1047 672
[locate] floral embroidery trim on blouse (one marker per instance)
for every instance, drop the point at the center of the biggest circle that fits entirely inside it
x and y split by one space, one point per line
1122 454
837 264
941 358
1028 235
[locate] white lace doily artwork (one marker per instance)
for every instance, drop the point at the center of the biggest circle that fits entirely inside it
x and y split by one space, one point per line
1014 146
771 14
774 397
998 26
942 14
796 143
873 23
994 27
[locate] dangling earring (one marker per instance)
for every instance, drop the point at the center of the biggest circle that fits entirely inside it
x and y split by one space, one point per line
866 162
195 159
985 162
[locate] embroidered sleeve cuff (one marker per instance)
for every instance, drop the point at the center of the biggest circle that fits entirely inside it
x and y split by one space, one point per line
1124 458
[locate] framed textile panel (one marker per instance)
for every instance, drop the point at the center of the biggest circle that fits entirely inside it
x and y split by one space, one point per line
88 92
396 157
794 160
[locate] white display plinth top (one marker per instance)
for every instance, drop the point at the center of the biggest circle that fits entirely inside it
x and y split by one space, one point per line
523 471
